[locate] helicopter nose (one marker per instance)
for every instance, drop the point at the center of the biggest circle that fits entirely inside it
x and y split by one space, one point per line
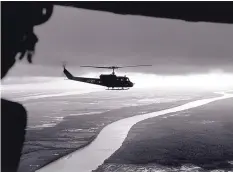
131 84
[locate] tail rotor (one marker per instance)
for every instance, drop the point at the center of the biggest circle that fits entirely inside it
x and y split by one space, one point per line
64 68
64 64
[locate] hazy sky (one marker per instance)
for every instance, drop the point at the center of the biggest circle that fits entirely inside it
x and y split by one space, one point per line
83 37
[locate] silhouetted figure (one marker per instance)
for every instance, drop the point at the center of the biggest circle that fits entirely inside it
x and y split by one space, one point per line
14 119
18 20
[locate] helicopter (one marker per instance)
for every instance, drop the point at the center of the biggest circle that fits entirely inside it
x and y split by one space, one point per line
111 81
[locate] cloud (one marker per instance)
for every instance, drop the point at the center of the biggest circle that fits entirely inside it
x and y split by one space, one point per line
83 37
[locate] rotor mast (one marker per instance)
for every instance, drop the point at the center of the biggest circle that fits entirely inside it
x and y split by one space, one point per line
113 69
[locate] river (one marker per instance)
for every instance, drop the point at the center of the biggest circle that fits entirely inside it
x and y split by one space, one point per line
110 139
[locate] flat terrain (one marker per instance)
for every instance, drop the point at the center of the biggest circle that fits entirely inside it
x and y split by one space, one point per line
46 145
61 122
200 139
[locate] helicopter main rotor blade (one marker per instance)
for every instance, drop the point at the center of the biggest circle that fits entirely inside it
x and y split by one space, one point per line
96 67
114 67
102 67
133 66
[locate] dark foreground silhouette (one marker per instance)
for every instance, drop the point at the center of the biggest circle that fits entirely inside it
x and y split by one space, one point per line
14 119
18 38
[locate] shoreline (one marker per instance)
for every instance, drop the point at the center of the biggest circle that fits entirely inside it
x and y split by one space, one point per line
193 100
200 139
109 117
68 152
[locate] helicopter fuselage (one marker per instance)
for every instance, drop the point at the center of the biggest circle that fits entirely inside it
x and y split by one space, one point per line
115 81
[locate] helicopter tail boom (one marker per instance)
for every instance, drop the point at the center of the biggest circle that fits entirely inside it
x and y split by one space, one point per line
82 79
68 74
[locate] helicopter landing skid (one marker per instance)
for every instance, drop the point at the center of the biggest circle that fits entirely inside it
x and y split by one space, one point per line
118 89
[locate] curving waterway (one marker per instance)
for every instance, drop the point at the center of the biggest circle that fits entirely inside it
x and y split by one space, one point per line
110 139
